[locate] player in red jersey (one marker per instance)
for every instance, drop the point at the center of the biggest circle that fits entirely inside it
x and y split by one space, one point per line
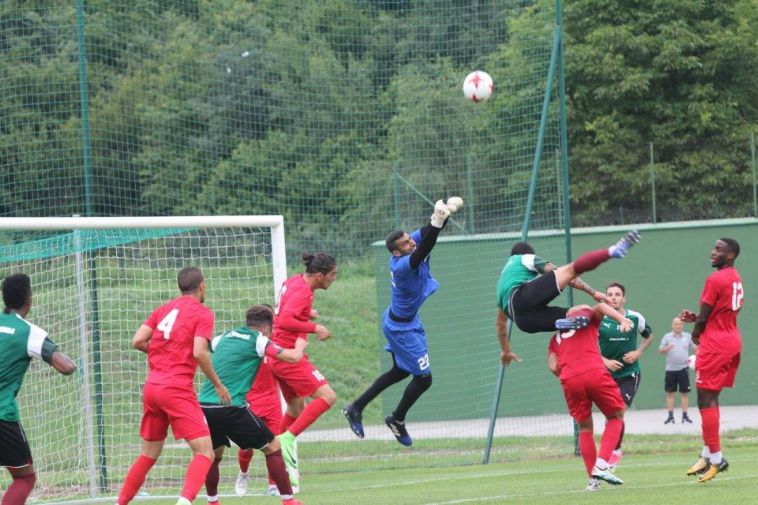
175 338
574 356
292 324
265 402
718 350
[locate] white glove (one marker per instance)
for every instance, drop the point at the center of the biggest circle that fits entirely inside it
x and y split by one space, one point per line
440 214
454 203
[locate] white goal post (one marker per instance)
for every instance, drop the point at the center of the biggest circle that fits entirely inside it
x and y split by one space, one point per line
94 280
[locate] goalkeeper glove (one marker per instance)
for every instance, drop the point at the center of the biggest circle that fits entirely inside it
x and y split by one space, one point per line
454 203
440 214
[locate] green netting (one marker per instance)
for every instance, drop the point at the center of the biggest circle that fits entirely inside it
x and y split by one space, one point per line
346 117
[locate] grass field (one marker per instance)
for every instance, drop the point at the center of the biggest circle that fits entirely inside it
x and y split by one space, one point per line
654 475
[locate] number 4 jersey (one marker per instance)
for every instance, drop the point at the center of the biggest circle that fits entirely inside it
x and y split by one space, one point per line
723 291
175 325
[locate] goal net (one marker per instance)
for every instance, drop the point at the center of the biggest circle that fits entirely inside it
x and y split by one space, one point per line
94 281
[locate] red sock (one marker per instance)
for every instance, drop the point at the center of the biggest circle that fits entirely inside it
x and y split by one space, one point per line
710 426
135 477
588 450
19 490
610 438
275 466
309 415
590 261
244 458
196 472
211 480
287 420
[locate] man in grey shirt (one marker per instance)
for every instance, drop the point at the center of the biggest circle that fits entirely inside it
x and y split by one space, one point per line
676 346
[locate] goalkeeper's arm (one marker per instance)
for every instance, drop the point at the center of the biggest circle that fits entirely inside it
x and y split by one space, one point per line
430 233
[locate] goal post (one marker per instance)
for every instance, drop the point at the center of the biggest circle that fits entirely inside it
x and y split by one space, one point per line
94 281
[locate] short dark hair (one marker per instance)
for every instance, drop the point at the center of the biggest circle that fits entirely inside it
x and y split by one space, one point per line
521 248
617 285
17 289
392 238
258 316
318 263
734 246
189 280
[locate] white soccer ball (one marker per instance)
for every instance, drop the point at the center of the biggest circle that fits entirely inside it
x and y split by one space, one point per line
478 86
691 361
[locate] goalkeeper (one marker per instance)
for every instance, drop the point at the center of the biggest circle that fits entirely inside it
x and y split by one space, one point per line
412 283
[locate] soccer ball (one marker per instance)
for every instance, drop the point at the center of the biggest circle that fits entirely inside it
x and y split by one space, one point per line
478 86
691 361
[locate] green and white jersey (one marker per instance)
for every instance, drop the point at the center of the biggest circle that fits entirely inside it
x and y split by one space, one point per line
519 268
236 358
20 341
614 343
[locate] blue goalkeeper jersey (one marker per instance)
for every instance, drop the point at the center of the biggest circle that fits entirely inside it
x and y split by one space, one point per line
410 288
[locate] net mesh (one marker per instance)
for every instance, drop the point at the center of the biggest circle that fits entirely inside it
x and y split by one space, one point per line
91 290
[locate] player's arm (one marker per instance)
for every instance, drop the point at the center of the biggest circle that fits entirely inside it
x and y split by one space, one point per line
506 353
203 357
56 359
647 338
579 284
290 319
141 338
287 355
603 309
552 363
699 320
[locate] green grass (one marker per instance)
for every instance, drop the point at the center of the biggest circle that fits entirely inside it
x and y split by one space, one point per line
654 474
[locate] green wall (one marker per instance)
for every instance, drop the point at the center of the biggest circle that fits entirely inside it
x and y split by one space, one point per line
663 274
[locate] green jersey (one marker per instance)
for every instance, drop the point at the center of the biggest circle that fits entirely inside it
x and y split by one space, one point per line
519 268
614 343
236 358
20 341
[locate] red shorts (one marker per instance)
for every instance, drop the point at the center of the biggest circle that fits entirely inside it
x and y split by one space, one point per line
597 387
297 380
264 399
165 405
715 371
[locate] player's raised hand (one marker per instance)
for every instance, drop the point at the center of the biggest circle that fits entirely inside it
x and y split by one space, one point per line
315 314
322 332
599 296
440 214
454 204
687 316
223 394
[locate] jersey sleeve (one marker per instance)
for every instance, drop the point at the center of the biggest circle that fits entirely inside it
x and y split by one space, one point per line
533 263
552 346
416 235
643 327
36 341
204 324
215 341
151 321
401 267
288 320
261 343
710 291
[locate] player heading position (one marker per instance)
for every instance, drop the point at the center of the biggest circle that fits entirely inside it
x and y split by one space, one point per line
237 356
292 324
719 345
528 283
412 284
175 338
574 356
20 342
620 352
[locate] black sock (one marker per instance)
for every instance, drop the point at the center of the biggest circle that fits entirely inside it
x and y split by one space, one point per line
390 377
413 392
671 413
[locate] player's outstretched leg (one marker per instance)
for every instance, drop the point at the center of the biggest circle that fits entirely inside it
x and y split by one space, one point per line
354 418
621 248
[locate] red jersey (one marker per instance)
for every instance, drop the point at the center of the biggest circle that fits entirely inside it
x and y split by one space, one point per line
723 291
175 325
292 317
578 351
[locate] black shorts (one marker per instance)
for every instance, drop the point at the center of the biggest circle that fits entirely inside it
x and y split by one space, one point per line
628 387
677 379
237 424
14 448
528 306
